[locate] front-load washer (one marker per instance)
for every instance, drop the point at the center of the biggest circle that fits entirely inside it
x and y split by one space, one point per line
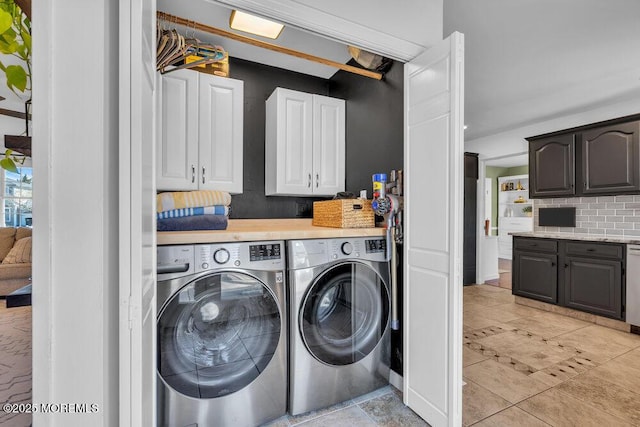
339 320
222 334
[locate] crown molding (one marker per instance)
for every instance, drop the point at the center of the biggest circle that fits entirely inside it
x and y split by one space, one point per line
330 26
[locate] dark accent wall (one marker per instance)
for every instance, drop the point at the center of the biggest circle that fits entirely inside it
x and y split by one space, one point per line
374 131
259 82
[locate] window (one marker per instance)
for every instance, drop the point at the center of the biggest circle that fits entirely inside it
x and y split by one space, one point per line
16 197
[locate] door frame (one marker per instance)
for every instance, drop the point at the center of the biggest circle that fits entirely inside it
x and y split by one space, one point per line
482 167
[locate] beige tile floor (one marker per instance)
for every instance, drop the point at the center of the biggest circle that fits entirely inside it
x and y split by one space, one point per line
15 362
528 367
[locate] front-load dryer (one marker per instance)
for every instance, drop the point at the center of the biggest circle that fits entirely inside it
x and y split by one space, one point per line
222 334
339 320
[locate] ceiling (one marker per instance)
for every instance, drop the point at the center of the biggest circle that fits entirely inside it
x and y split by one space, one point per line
526 61
215 15
509 161
531 60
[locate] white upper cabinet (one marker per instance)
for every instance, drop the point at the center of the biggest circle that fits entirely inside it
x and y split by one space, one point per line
200 135
304 144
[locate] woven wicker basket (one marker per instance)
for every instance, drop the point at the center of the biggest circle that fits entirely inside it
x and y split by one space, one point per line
343 213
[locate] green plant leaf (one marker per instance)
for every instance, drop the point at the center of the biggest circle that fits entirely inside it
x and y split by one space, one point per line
26 37
16 77
8 164
8 48
6 21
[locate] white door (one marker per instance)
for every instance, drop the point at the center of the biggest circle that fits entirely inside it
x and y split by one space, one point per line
137 364
434 211
220 129
328 145
177 137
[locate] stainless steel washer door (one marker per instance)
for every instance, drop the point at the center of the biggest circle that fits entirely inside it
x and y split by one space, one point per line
217 334
344 314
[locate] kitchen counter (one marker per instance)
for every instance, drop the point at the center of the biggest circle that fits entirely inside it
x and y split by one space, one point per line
249 230
586 237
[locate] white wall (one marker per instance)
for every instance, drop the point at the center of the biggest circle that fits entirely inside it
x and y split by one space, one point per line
513 142
75 274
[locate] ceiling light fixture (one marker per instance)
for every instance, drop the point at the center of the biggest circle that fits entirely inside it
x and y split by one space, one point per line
242 21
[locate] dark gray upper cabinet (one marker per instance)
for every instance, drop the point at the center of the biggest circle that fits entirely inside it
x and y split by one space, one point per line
597 159
611 159
551 166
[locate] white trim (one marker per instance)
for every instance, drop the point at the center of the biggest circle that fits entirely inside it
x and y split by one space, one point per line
396 380
125 395
330 26
42 317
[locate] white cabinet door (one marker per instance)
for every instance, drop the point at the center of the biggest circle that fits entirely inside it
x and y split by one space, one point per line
220 133
177 131
289 143
433 161
328 145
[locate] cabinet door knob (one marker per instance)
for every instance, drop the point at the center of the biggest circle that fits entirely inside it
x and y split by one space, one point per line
553 264
566 265
203 180
193 174
309 182
317 180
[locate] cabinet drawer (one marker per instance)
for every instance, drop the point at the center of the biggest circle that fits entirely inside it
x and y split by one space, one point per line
594 249
541 245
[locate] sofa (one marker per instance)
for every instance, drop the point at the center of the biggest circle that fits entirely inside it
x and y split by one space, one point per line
15 256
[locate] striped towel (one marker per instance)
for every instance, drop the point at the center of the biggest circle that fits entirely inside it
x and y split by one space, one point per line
191 199
207 210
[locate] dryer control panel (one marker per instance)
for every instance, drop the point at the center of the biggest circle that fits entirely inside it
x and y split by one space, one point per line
314 252
261 256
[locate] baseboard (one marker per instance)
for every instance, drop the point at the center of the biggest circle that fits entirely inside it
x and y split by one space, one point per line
396 380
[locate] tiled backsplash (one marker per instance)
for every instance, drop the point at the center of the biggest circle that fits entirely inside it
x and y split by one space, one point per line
606 215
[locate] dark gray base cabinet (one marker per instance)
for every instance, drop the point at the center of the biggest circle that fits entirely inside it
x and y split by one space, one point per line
535 275
585 276
593 285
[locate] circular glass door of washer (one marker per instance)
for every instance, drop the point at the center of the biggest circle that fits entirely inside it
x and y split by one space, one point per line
217 334
344 314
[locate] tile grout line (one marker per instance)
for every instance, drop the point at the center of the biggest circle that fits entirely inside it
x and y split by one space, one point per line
589 404
467 380
353 403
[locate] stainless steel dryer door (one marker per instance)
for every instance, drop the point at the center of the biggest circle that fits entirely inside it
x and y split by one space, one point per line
217 334
344 314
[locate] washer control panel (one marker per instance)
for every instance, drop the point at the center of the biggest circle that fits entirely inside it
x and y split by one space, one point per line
250 255
174 261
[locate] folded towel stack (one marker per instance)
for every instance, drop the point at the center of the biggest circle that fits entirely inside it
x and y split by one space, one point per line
193 210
